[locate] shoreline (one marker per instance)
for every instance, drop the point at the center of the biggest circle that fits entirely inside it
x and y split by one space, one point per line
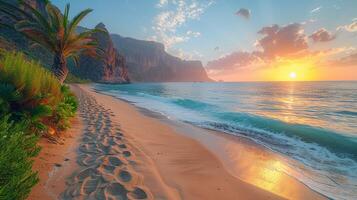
208 140
181 163
173 159
237 165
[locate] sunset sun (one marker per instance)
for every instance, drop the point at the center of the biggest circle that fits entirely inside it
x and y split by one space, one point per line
292 75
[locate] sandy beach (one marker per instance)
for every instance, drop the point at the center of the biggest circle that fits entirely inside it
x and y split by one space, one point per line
117 151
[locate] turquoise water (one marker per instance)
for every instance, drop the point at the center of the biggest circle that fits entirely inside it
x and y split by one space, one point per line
313 123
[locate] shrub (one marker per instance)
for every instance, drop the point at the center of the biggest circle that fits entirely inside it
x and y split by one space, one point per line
66 109
17 147
29 91
75 79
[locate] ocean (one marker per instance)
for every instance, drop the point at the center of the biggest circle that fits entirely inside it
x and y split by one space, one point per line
312 123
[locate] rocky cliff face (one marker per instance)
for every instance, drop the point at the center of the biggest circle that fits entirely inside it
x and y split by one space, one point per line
12 40
148 61
110 68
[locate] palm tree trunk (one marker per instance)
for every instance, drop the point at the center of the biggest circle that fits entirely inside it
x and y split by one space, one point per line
59 67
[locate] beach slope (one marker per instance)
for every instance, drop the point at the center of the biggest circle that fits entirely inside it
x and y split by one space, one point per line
172 165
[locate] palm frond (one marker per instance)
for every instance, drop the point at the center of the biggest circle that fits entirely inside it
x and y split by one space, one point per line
75 58
38 17
56 17
66 17
76 20
13 11
38 36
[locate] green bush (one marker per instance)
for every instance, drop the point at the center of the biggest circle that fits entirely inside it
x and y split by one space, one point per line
29 91
17 147
65 109
75 79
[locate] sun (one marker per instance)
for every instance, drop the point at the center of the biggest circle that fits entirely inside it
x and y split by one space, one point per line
292 75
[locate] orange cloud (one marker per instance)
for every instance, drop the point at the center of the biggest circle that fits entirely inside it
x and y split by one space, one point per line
283 49
282 41
322 35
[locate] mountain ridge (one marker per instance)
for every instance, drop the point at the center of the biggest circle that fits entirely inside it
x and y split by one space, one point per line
149 62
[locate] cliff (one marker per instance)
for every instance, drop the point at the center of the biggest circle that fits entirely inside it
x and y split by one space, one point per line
110 68
124 59
148 61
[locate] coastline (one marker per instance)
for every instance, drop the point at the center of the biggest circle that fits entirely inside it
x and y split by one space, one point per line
181 163
210 140
173 159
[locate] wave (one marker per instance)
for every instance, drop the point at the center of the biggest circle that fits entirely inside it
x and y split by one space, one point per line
335 142
244 122
346 112
192 104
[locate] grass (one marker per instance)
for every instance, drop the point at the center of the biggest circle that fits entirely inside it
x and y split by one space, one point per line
29 78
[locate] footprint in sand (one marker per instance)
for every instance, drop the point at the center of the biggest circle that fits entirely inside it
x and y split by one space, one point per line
138 193
104 173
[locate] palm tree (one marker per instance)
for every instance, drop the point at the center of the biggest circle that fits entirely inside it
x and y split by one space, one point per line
54 31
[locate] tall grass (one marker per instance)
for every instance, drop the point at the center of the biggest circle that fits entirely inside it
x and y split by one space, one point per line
30 79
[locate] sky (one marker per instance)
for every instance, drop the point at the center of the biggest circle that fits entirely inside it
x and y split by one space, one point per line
241 40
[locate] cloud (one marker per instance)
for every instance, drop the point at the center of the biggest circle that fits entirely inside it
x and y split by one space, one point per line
174 16
162 3
315 10
277 43
281 46
194 55
233 61
310 21
243 12
349 60
322 35
350 27
193 34
282 41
